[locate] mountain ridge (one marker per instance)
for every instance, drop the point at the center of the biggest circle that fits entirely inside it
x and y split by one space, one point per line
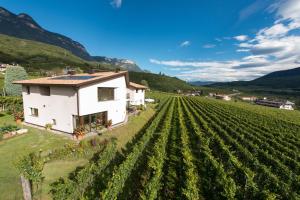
23 26
283 79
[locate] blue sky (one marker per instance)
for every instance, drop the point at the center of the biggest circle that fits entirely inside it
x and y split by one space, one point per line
191 39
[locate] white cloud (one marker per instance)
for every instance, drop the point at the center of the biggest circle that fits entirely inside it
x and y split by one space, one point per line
273 48
209 46
242 50
116 3
185 43
241 37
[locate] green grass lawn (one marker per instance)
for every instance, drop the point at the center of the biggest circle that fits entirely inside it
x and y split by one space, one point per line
11 149
56 169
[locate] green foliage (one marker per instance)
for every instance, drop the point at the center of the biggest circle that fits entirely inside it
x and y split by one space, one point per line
195 148
11 104
120 175
75 187
14 73
145 83
31 167
156 161
7 129
40 57
161 82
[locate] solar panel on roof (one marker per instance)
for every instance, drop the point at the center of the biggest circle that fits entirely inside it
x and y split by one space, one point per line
73 77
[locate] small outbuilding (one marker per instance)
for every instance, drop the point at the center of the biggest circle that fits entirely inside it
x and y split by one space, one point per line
136 94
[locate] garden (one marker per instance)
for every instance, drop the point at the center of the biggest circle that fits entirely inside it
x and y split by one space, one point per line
53 155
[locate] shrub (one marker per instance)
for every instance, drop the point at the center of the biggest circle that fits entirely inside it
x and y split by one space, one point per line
7 129
31 167
11 104
14 73
145 83
48 126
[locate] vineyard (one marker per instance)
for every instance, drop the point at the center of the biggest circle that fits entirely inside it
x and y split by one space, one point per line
195 148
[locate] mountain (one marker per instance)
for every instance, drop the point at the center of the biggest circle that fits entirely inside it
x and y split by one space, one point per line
285 79
38 56
280 79
161 82
24 26
122 63
201 83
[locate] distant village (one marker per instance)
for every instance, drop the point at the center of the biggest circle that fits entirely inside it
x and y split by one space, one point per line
280 104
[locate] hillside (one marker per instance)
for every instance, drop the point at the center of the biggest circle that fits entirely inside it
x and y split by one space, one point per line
24 26
280 79
36 56
285 79
201 83
283 84
161 82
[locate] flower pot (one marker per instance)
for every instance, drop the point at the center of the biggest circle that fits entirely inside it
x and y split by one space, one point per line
18 121
79 137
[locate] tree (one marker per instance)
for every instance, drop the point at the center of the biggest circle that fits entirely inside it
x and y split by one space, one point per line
31 167
14 73
145 83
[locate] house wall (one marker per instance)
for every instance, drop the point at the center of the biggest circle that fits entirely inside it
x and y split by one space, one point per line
136 98
286 107
61 105
116 109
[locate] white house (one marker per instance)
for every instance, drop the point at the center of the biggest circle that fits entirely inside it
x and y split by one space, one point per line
287 105
136 94
223 97
250 98
70 101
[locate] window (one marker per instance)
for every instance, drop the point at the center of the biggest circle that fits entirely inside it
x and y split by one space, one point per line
45 90
106 94
28 89
54 121
34 112
136 91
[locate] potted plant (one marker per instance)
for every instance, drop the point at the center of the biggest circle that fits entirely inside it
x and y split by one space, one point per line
18 116
109 124
79 132
48 126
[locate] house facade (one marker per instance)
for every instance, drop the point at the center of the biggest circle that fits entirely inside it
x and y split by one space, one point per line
136 94
287 105
223 97
71 101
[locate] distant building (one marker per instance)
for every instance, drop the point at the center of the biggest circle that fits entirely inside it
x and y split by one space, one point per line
251 98
287 105
223 97
136 94
149 100
211 94
178 91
